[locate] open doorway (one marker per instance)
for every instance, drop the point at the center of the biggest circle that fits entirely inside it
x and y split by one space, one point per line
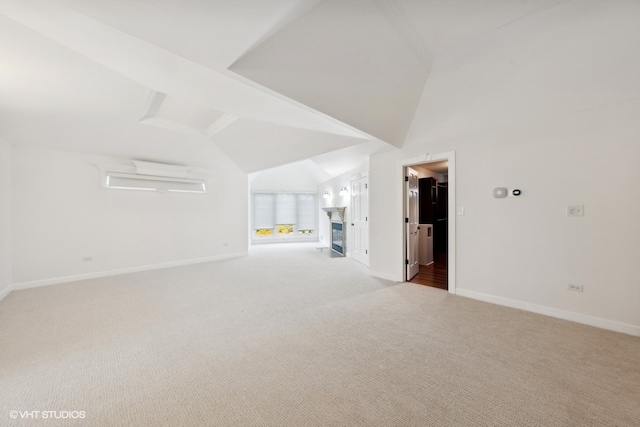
429 224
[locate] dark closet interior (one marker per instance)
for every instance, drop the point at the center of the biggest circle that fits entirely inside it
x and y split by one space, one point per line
433 210
433 202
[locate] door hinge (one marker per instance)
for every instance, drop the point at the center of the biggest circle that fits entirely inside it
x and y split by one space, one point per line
366 251
406 220
366 218
366 186
406 261
406 179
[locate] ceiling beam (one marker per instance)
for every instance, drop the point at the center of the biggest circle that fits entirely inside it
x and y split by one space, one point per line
224 121
166 72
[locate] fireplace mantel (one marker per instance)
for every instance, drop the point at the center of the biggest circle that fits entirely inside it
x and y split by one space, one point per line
338 210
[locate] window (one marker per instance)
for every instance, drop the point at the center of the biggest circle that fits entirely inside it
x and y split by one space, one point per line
284 217
285 228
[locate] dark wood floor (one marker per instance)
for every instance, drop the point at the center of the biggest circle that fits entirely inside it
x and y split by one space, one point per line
434 275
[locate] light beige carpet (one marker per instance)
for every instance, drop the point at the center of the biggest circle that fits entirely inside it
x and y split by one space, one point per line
290 337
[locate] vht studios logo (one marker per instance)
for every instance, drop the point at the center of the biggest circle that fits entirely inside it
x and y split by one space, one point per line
57 415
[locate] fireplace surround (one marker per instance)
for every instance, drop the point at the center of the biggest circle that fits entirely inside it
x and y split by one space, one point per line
338 230
337 237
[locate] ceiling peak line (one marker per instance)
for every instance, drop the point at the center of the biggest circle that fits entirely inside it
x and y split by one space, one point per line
154 102
220 124
505 34
288 16
397 18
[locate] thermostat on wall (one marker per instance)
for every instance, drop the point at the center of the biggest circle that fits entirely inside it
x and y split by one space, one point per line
500 192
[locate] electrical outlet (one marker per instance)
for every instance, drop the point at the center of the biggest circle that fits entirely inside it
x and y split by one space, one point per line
576 288
575 210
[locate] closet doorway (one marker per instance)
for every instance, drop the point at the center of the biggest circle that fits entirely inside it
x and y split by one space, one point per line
431 247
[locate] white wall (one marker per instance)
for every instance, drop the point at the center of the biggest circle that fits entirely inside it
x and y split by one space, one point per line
336 200
5 218
298 176
62 215
525 251
532 107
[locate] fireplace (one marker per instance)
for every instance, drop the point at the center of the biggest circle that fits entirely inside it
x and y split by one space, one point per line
338 231
337 237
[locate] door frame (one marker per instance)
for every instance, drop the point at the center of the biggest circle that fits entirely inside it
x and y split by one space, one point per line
450 157
363 176
410 225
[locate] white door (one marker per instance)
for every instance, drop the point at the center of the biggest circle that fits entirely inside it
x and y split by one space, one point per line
411 221
360 220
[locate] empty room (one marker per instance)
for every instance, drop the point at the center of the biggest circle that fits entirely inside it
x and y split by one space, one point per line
319 213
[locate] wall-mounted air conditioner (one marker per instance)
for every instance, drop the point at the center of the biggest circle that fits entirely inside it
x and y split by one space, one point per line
129 181
149 176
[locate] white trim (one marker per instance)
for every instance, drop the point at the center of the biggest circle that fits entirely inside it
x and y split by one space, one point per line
357 177
598 322
58 280
450 157
6 292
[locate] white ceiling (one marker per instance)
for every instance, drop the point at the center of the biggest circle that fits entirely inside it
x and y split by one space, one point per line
270 82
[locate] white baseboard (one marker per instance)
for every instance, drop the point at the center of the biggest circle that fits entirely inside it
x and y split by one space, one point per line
6 291
385 276
57 280
598 322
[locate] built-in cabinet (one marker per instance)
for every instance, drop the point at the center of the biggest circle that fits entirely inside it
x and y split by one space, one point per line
440 231
425 244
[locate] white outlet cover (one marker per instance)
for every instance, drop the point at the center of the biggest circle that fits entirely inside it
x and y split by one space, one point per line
575 210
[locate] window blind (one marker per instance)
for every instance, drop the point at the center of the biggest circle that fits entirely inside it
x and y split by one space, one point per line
279 208
306 211
264 210
286 208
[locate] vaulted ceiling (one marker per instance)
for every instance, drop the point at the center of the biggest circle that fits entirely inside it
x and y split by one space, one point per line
270 82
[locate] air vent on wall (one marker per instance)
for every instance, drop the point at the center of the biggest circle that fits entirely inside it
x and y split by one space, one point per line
149 176
161 169
129 181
